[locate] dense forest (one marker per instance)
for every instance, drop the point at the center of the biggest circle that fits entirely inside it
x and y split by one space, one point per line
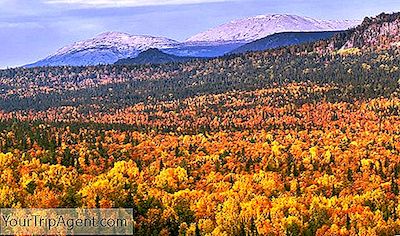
301 140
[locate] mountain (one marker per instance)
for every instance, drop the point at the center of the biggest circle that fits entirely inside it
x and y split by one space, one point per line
284 39
380 32
153 56
108 48
105 48
253 28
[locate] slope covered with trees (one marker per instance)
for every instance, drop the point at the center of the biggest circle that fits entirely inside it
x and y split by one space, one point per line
302 140
153 56
283 40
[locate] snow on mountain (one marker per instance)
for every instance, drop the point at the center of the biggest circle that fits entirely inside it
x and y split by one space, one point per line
105 48
250 29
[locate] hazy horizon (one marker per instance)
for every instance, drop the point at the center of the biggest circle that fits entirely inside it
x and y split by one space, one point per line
31 30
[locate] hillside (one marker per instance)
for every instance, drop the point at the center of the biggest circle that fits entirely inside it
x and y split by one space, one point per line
219 75
203 49
153 56
284 39
381 32
298 140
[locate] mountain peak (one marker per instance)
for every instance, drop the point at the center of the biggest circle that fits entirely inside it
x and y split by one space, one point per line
111 34
105 48
117 41
253 28
265 16
272 16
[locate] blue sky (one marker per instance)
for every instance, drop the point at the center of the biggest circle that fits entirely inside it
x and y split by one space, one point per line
33 29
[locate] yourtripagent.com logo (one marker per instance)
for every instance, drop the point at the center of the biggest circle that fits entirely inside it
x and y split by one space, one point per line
66 221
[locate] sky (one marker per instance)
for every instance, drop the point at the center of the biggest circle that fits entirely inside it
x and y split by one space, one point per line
33 29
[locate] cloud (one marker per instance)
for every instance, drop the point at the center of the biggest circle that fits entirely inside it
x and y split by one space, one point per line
127 3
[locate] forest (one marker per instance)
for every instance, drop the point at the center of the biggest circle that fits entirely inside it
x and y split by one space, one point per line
301 140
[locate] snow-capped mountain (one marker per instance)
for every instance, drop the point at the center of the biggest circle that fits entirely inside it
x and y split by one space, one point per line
105 48
250 29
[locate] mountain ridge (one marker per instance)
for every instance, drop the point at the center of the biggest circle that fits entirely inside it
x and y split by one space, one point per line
109 47
105 48
253 28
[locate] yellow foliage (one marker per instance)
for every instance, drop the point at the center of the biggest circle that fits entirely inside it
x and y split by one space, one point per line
6 197
349 51
172 179
5 160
